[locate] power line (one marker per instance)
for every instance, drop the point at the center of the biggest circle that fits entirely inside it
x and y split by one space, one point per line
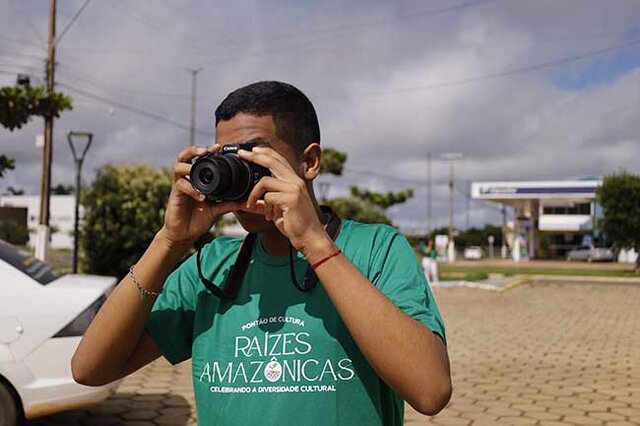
23 55
20 41
7 72
382 176
135 110
297 36
184 41
490 76
231 57
102 85
351 27
189 19
16 64
71 21
30 71
26 19
441 84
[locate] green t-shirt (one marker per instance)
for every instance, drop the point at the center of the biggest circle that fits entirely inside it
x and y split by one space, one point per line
278 356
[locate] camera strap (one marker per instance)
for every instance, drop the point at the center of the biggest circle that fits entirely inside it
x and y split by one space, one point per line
235 277
310 278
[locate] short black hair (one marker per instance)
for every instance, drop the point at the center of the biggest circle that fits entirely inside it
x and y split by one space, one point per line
293 114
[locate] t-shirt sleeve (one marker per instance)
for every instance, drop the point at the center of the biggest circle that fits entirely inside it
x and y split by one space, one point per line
171 320
396 272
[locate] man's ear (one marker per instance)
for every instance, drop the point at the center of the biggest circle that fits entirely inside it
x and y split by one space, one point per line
312 159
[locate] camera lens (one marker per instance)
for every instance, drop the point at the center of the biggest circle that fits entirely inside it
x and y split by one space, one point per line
206 176
223 176
210 175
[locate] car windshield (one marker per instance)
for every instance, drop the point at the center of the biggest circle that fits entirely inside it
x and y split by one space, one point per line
36 269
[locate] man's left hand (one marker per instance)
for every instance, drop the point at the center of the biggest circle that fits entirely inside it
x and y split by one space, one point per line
284 199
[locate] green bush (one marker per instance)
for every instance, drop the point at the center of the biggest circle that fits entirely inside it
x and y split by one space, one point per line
12 232
123 209
619 196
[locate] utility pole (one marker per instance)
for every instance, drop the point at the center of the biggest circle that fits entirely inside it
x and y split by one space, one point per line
194 74
451 157
503 249
468 195
429 228
42 240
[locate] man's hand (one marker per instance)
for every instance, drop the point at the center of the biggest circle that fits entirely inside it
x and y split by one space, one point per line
188 215
284 199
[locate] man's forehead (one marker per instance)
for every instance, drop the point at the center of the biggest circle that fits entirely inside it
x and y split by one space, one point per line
245 127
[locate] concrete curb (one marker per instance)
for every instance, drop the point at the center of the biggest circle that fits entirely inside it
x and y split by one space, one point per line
586 279
489 286
519 280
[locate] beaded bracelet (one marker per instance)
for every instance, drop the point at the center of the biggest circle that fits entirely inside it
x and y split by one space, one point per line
143 291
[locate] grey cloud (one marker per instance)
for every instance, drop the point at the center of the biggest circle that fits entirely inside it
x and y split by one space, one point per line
360 78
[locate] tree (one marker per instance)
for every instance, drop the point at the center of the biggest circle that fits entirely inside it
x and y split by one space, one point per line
18 104
358 210
619 196
6 164
332 161
367 206
480 236
15 191
381 200
363 205
123 209
61 189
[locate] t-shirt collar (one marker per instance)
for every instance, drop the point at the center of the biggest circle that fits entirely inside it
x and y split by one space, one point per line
260 255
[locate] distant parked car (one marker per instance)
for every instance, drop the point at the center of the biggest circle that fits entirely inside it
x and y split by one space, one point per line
473 253
42 318
591 253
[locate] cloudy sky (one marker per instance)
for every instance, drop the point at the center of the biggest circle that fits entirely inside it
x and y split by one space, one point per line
541 89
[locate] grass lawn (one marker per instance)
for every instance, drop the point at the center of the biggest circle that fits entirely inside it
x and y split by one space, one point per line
61 260
456 271
464 275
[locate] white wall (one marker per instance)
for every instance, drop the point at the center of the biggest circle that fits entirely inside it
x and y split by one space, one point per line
565 222
61 215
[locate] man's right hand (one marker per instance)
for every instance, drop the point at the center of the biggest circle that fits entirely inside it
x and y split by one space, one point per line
188 215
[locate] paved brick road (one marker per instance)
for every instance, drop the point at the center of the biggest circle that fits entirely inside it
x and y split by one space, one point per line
537 355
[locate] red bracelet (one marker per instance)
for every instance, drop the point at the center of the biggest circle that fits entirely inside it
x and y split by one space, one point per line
320 262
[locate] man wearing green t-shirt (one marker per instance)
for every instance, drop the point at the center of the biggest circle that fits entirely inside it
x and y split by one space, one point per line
348 351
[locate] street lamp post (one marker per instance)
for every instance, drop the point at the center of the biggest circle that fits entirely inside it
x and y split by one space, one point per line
324 192
194 74
78 162
451 157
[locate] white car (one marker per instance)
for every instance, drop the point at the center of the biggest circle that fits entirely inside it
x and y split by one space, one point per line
42 318
591 253
473 253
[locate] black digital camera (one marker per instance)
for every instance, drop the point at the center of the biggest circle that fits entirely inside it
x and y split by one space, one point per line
224 176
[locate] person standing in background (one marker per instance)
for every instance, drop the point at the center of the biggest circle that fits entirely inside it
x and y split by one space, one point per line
429 261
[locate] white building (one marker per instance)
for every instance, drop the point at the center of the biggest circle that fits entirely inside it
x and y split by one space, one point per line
550 217
61 216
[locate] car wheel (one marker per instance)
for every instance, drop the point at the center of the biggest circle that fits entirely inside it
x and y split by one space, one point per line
9 415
